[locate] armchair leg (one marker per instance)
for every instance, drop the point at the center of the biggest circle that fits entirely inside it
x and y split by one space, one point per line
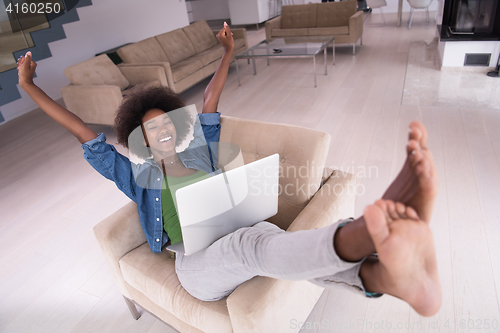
427 16
411 17
131 306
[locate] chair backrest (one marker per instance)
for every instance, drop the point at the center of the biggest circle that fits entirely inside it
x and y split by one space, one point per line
299 16
144 51
176 45
419 4
376 3
99 70
200 35
335 14
302 151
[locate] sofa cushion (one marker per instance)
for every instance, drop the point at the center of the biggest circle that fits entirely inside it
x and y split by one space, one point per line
99 70
333 31
200 35
289 32
185 68
153 274
176 46
238 43
145 51
212 54
299 16
335 14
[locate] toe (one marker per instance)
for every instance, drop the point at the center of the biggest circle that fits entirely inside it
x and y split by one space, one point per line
401 210
391 210
419 133
411 213
413 148
383 205
416 157
376 223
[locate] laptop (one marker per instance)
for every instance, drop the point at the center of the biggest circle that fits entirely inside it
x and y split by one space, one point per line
217 206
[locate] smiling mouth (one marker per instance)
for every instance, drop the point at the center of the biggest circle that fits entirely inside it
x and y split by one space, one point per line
165 139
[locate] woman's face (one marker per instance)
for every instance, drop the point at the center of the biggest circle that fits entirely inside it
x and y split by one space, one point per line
160 132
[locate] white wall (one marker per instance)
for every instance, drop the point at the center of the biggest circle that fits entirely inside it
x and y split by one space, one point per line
392 6
210 9
102 26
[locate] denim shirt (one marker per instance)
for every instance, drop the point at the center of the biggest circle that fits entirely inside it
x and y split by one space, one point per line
142 182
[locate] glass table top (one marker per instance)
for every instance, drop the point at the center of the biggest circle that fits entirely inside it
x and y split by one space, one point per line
289 46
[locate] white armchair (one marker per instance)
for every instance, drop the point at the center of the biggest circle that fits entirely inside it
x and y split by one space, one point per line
261 304
419 4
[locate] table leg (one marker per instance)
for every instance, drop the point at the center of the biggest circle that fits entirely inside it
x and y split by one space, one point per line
400 12
324 52
333 52
314 63
253 63
237 72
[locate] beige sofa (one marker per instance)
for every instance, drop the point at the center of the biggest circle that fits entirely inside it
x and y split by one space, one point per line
339 19
98 87
188 55
261 304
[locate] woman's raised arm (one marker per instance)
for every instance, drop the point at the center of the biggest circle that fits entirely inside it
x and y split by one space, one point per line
214 88
26 69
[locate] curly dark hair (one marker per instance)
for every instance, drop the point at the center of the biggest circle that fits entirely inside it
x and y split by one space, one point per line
128 120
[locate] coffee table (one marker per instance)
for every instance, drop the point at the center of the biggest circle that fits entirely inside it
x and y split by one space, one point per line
289 47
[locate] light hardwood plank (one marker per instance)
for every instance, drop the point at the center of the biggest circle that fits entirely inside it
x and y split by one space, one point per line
310 324
69 314
473 299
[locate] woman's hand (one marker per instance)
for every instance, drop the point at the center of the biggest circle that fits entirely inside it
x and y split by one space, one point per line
225 37
26 69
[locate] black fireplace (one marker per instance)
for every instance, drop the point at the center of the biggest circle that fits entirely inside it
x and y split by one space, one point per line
470 20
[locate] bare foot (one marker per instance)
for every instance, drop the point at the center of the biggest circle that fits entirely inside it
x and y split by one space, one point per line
406 265
415 186
417 183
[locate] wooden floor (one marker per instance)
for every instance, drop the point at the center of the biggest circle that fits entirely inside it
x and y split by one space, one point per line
53 277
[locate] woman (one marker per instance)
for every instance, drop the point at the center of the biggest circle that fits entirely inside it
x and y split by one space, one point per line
334 255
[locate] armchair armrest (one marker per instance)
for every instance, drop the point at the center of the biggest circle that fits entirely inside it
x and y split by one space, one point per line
144 74
240 33
117 235
333 201
93 104
263 304
275 23
164 64
355 26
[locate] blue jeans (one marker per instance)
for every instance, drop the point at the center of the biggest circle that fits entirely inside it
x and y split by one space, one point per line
266 250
